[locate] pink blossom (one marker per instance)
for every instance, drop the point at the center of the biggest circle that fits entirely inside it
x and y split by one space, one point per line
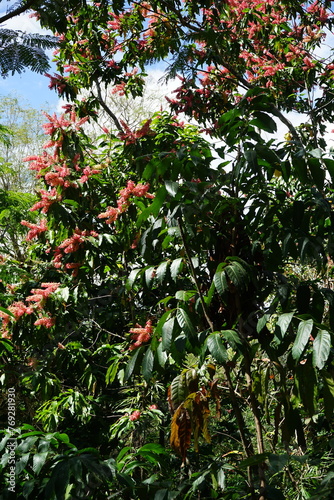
308 63
35 229
47 199
135 415
58 82
119 89
46 321
110 214
141 335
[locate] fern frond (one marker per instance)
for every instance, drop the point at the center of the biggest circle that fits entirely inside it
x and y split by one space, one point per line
19 50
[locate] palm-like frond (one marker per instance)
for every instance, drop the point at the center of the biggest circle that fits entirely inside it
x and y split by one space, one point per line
19 50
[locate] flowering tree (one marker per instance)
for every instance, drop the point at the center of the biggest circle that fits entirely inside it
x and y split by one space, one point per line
176 287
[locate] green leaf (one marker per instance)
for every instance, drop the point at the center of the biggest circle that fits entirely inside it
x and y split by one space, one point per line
303 335
6 311
153 447
185 322
155 206
176 267
132 277
112 372
161 356
300 167
122 453
317 172
185 295
253 460
38 461
262 322
172 188
217 348
237 274
147 365
233 338
21 463
221 478
277 462
321 348
132 363
161 494
220 280
149 275
316 153
284 321
62 437
329 162
167 334
161 271
264 122
162 321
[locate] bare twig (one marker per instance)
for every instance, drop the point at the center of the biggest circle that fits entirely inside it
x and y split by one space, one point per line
106 108
20 10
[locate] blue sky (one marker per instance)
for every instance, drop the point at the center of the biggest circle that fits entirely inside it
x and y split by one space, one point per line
31 87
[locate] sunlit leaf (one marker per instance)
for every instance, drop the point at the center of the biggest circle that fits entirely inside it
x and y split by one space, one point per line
321 348
303 335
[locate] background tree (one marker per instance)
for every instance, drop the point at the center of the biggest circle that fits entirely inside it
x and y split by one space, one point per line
26 137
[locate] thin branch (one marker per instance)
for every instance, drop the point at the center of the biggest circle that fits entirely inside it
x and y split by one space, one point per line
106 108
276 112
18 11
193 273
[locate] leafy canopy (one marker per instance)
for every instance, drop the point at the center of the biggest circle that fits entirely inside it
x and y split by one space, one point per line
162 260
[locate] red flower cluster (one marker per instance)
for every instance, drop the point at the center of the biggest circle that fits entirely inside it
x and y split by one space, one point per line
135 415
71 245
123 202
141 335
38 297
57 82
47 199
130 136
35 229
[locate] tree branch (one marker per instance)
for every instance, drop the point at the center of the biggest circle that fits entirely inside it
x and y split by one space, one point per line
193 273
106 108
18 11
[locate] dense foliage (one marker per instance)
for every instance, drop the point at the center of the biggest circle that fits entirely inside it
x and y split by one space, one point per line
169 333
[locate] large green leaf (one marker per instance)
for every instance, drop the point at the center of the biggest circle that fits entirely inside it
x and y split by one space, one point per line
220 280
172 188
161 271
264 122
147 365
167 334
161 356
284 321
321 348
303 335
132 363
176 267
185 322
238 271
185 295
132 277
6 311
39 460
217 348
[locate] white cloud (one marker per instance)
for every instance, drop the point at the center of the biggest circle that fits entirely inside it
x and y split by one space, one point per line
25 23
